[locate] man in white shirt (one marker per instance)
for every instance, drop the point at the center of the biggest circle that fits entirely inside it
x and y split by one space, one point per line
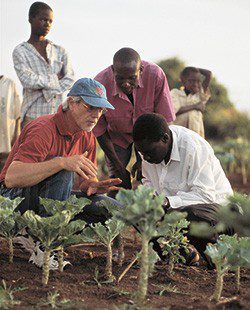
181 164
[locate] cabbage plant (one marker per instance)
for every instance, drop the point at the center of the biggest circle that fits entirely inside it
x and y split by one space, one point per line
57 230
229 253
143 210
9 225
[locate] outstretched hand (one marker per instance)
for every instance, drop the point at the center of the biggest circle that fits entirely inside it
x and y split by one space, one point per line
103 187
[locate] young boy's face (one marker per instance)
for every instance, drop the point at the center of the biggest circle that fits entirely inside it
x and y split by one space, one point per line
192 82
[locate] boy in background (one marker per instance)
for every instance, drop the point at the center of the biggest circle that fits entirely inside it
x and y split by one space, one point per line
190 100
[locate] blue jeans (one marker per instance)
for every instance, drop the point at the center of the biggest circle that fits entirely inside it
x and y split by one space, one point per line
57 187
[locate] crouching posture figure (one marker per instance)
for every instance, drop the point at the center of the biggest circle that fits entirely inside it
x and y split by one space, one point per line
182 165
50 150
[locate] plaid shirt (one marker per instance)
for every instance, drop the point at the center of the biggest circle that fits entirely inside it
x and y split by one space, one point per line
42 90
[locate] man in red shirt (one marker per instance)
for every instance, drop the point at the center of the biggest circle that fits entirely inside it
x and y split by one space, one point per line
53 147
134 87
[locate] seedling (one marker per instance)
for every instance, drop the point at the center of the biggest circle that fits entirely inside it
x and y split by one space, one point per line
9 226
55 231
7 299
173 228
53 301
228 253
143 210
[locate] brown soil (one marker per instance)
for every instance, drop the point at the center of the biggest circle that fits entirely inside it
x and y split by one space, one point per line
194 284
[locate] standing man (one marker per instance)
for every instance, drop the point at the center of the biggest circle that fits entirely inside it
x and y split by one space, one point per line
44 68
50 149
190 101
133 87
10 109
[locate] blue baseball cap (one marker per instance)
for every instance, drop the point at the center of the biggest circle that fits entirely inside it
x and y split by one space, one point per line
92 92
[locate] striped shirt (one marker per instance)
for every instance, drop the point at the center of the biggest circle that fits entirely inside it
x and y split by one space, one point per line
42 90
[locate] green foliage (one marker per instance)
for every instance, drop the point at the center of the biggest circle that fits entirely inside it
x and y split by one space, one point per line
9 221
7 299
236 214
142 209
53 301
229 253
174 238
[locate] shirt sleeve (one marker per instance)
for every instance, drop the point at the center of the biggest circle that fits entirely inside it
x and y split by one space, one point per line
200 181
68 79
100 127
163 102
34 148
31 80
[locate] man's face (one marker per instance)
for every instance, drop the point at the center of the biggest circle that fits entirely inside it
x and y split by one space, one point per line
153 152
41 23
192 82
127 77
84 115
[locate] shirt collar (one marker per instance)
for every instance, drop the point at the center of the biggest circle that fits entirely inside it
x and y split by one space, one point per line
175 154
65 123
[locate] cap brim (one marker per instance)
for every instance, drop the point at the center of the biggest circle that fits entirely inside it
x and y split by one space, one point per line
98 102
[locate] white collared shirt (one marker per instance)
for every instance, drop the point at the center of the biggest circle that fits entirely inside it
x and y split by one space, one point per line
193 174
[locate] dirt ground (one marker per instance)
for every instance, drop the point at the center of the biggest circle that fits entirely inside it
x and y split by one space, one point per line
193 285
188 288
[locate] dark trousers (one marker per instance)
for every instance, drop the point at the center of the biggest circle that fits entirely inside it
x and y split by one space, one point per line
58 187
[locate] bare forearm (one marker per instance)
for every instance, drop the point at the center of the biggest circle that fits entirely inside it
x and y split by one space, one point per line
21 174
108 148
186 109
208 75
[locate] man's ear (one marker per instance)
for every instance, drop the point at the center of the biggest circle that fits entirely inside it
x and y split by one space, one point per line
165 138
70 103
141 68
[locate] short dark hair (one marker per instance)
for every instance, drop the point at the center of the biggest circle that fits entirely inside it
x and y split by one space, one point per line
36 7
126 55
150 126
186 71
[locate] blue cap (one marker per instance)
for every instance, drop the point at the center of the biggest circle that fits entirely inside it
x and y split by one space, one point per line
92 92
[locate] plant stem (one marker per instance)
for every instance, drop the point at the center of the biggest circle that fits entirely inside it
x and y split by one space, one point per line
120 250
108 269
218 286
237 275
46 259
11 250
171 264
143 277
60 259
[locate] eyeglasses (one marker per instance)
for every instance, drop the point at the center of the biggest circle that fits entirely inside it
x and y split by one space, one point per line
91 109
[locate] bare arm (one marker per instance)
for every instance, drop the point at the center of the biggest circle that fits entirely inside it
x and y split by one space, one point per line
198 106
208 75
108 148
21 174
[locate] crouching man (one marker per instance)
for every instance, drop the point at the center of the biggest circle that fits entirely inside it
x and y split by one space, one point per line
181 164
50 150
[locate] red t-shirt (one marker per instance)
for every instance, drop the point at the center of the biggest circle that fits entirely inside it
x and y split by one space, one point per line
51 136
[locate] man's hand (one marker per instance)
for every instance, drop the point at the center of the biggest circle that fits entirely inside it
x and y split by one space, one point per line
103 187
200 107
137 171
81 165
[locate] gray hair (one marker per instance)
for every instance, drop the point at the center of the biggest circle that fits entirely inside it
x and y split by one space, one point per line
65 104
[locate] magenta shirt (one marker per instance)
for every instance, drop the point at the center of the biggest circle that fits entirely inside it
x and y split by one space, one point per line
151 95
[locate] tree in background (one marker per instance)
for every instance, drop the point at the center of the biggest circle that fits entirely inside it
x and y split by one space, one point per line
221 118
